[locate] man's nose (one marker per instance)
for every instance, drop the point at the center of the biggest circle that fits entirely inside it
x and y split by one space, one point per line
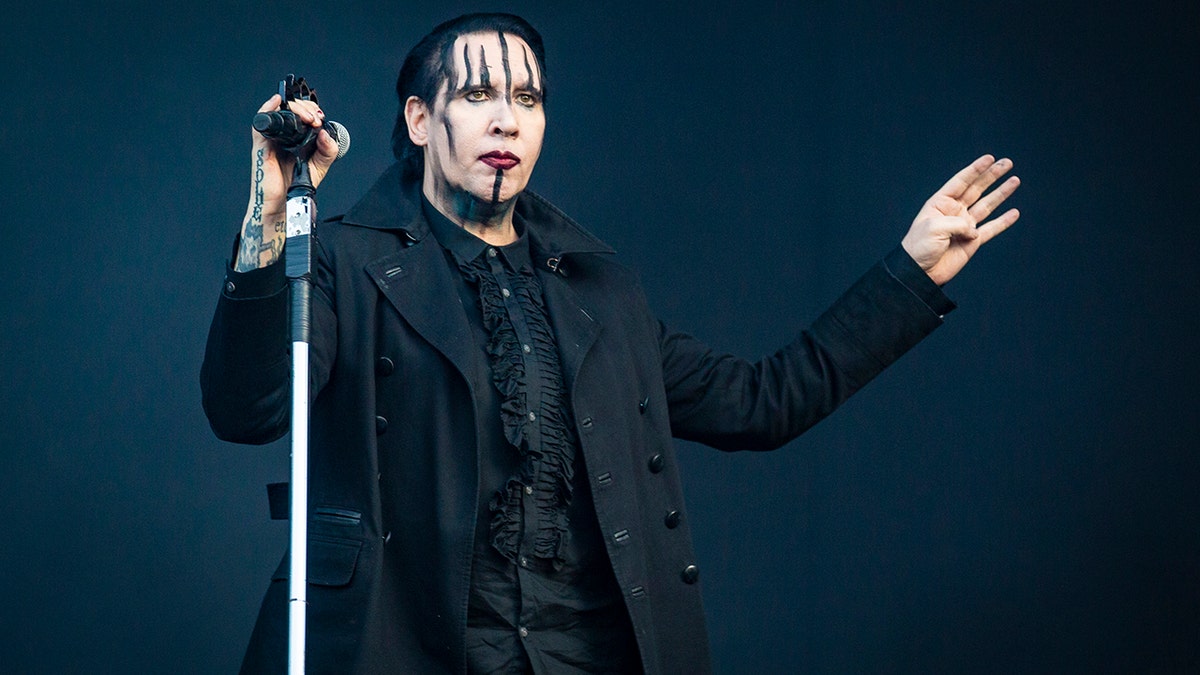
504 123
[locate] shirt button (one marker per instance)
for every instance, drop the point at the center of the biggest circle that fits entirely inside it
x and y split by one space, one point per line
491 253
532 417
524 632
504 292
526 348
230 287
524 561
528 489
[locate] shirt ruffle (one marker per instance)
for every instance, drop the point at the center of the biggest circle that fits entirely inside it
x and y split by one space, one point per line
548 461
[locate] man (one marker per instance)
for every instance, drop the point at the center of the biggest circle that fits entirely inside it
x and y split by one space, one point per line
493 483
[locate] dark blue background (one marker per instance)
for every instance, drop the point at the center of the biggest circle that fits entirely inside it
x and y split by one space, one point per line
1016 495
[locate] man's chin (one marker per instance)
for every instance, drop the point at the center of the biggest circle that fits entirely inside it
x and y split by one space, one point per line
496 197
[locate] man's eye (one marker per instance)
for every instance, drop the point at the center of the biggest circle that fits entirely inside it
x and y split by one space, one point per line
526 99
477 95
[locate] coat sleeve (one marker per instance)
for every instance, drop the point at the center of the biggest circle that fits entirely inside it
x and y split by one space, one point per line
245 380
734 404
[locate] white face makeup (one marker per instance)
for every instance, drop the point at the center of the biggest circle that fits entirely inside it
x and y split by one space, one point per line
484 132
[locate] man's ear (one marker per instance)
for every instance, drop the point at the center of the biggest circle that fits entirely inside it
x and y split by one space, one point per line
417 116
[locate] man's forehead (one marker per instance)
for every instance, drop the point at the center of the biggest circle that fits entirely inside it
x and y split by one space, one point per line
486 57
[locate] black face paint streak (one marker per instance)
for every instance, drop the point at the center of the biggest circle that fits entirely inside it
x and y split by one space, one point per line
507 71
450 73
496 187
467 63
449 69
485 76
449 133
528 70
465 207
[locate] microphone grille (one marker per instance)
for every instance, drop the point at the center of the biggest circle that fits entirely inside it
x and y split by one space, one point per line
339 134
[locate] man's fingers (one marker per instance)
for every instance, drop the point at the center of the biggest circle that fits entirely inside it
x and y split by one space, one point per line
983 208
982 182
997 225
270 104
957 185
307 111
327 147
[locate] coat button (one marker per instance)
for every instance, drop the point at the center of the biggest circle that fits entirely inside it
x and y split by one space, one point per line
230 287
385 366
690 574
586 423
656 463
672 519
381 424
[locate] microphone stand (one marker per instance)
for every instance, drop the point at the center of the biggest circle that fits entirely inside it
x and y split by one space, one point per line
301 219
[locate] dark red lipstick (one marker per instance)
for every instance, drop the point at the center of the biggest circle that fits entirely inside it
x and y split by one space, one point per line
500 160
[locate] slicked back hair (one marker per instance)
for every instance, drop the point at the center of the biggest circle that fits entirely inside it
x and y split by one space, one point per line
430 63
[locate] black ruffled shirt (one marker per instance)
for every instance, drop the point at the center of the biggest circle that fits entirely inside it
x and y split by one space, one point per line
543 597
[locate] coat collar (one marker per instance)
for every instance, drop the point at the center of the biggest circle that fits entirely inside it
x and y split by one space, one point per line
393 203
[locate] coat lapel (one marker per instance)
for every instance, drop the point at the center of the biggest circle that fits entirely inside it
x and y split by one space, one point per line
574 326
416 281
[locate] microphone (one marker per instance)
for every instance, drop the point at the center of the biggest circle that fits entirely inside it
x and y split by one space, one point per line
283 127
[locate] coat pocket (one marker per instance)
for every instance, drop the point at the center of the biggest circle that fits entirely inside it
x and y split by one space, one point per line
334 545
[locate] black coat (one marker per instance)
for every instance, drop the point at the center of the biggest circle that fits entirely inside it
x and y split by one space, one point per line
393 436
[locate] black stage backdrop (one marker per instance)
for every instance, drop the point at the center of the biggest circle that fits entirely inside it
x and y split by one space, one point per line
1016 495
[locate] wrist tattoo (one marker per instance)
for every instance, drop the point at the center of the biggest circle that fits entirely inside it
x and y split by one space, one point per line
251 244
274 251
258 189
254 251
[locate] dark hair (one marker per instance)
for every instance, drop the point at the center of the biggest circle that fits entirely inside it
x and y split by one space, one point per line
430 63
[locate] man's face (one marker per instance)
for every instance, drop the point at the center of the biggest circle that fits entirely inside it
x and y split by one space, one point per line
484 131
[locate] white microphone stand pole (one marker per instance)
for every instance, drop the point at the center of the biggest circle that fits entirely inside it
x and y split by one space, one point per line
301 217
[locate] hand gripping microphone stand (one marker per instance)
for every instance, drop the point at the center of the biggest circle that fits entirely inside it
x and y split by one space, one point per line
299 140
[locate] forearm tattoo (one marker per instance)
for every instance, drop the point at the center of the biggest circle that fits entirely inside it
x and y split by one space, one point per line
253 251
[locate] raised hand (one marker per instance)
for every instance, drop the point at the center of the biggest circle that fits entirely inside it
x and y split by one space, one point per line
263 234
947 230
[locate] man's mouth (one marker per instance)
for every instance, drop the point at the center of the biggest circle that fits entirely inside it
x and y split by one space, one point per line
500 160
